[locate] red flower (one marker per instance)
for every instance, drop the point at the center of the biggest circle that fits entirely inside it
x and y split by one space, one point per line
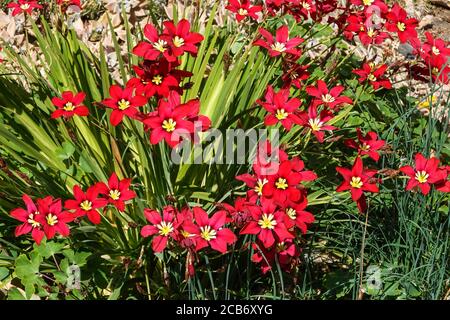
180 38
357 180
69 105
425 173
366 145
158 78
367 34
164 227
281 44
53 219
267 222
210 231
169 117
368 3
294 74
123 103
117 191
435 51
239 214
243 9
329 98
296 216
282 186
23 6
317 122
281 108
399 22
86 203
28 217
155 47
374 75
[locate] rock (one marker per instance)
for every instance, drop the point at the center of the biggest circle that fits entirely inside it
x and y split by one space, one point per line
427 22
441 3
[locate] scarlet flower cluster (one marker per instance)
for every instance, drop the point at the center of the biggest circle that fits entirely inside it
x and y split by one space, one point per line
157 77
274 208
46 216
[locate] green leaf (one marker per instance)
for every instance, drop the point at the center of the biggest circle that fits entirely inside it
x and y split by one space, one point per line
4 272
66 151
48 249
79 258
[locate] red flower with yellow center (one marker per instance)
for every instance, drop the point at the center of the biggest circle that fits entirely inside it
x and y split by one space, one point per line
123 103
86 204
280 44
329 98
23 6
169 117
317 122
267 222
53 219
366 145
29 218
281 108
210 231
398 21
116 191
163 228
69 105
425 173
374 75
357 180
180 39
243 9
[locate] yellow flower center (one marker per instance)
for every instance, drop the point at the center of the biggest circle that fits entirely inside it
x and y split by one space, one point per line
368 2
124 104
69 106
267 221
208 233
281 246
435 71
169 125
178 42
165 228
51 219
33 222
114 194
306 6
160 45
365 147
25 6
186 234
328 98
157 79
242 12
356 182
422 176
278 46
401 26
291 213
370 32
281 184
315 124
372 78
259 186
86 205
281 114
435 50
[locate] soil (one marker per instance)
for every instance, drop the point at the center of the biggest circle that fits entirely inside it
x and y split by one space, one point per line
435 15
